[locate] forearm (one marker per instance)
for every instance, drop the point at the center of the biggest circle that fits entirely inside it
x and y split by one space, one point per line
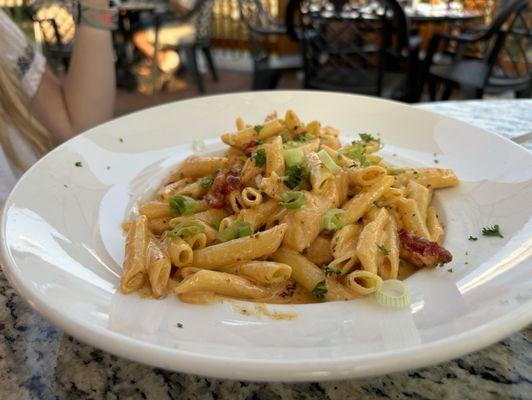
89 88
86 98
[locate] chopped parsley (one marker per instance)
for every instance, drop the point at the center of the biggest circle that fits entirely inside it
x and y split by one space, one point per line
320 289
330 271
383 249
258 128
206 182
260 141
492 231
78 164
179 325
260 157
296 173
366 137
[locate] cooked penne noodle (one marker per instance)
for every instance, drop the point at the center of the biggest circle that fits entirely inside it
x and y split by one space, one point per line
209 216
434 227
220 283
286 214
412 218
363 283
179 251
433 178
266 272
274 157
319 174
390 263
319 251
159 268
369 241
310 276
199 167
251 197
135 273
366 176
358 205
197 242
238 250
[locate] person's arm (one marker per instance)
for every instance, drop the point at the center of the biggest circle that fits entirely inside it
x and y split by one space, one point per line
87 96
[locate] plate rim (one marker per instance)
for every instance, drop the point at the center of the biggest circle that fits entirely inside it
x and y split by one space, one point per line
383 362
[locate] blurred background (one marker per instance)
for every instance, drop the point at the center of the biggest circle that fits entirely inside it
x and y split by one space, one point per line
405 50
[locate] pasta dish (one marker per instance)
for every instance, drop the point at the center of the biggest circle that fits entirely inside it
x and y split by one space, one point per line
288 214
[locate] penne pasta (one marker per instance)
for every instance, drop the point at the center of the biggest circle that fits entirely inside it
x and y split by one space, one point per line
238 250
286 214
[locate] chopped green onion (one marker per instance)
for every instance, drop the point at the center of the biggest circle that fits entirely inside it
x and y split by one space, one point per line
215 225
300 138
357 151
198 146
393 293
237 230
182 205
206 182
244 230
330 220
310 136
327 160
292 200
185 229
320 290
260 157
258 128
293 156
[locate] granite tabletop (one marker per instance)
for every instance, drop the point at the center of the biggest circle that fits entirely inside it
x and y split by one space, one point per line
38 361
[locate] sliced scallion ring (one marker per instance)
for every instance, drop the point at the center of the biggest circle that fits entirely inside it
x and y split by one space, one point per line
330 220
182 205
327 160
292 200
244 230
293 156
198 146
393 293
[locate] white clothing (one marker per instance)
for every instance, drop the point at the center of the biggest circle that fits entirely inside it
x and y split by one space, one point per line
29 65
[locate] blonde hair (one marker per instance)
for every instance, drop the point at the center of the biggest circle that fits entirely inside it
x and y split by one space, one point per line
14 109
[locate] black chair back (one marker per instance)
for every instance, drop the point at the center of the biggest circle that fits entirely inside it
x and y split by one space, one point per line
511 53
346 44
261 26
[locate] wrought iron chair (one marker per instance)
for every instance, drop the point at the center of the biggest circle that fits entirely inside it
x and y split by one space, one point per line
262 29
502 64
54 30
364 47
201 17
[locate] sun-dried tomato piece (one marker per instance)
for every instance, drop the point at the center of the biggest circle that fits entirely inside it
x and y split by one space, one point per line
422 252
224 183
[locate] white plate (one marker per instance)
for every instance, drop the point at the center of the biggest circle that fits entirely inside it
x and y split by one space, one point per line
62 247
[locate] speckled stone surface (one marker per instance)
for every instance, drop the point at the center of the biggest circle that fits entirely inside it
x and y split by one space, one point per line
37 361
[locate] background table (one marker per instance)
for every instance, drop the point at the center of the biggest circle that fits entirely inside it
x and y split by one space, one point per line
37 361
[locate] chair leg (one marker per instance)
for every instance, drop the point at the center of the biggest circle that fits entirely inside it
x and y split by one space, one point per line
210 62
432 88
274 79
479 93
447 91
192 59
524 94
